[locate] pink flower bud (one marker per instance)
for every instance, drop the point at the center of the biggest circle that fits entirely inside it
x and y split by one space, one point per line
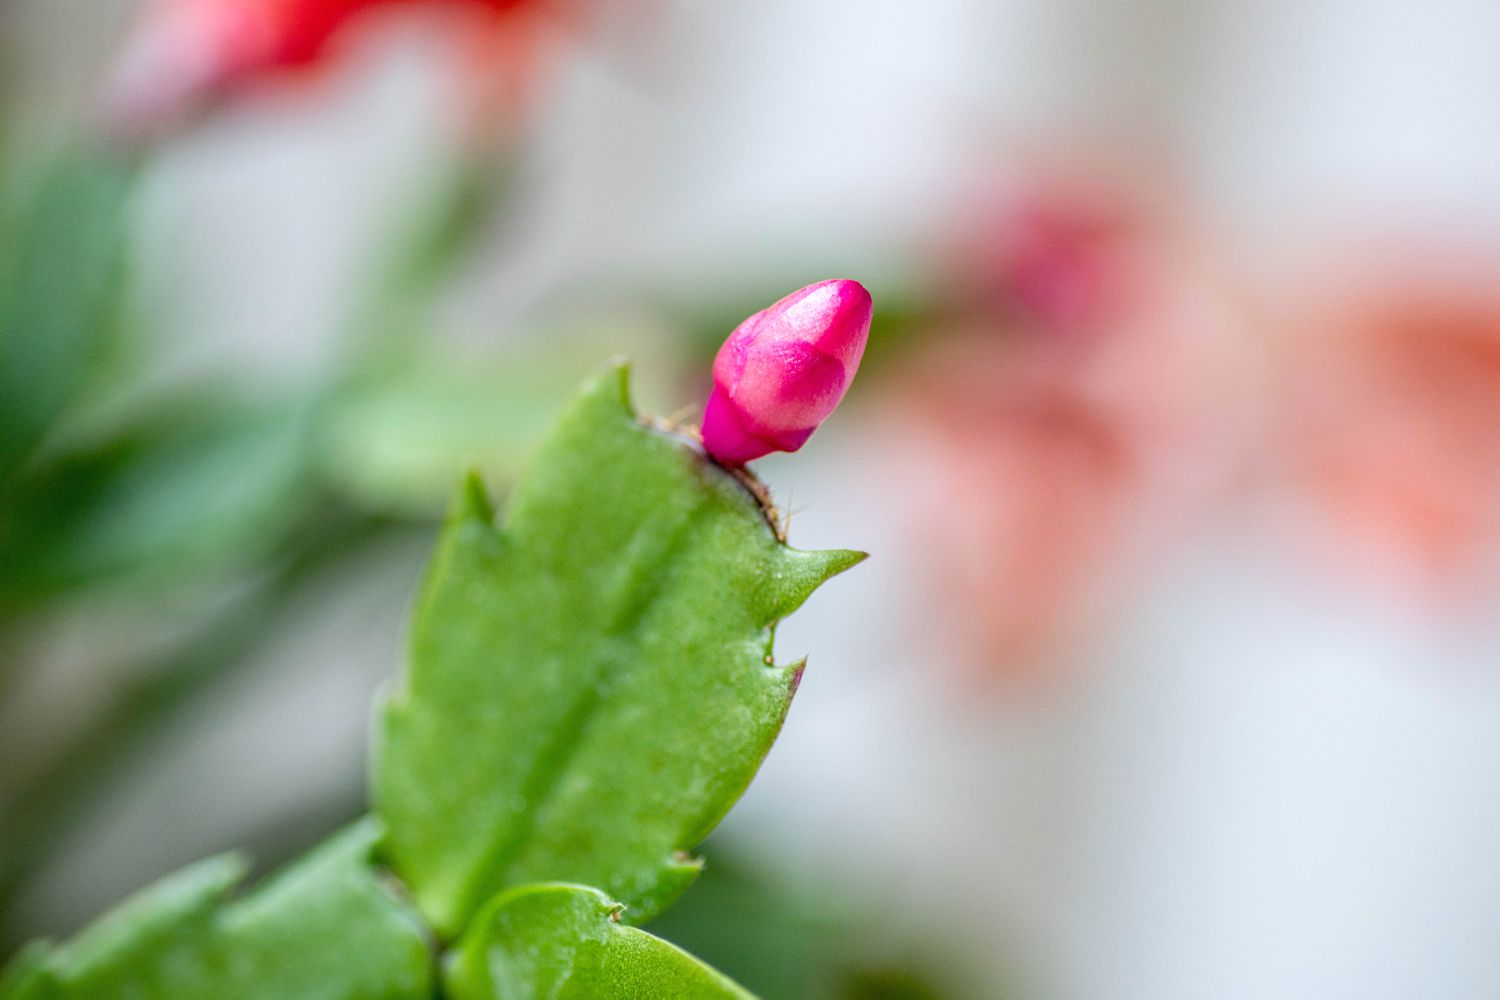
784 370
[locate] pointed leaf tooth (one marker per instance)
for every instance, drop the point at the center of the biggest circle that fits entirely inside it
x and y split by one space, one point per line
472 501
672 880
793 673
609 389
797 574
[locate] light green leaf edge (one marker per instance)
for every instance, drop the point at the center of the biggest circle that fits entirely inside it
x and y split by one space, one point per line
327 928
566 942
590 687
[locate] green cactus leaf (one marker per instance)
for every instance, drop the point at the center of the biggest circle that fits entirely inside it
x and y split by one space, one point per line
565 942
590 685
325 929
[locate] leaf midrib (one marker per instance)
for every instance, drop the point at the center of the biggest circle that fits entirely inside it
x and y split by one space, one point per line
538 787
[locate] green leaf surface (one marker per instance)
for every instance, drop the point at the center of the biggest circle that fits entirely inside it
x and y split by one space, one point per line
589 687
192 489
325 929
61 260
565 942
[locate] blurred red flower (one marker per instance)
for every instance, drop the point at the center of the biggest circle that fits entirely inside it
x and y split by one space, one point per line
185 55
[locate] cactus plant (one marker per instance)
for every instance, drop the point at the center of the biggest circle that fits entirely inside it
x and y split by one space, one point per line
590 687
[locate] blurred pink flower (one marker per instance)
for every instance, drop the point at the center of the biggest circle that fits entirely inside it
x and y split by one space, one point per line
1394 426
1057 253
1084 399
784 370
184 55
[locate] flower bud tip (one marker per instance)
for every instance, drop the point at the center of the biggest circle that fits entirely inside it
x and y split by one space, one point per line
784 370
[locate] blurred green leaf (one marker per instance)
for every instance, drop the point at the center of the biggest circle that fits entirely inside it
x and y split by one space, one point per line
590 688
325 929
780 936
887 985
431 238
37 807
565 942
775 942
61 260
191 488
391 439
